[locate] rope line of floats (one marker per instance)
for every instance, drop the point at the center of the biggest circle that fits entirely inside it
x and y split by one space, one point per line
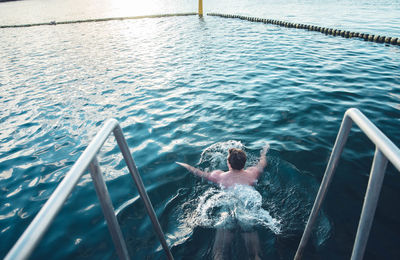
96 20
325 30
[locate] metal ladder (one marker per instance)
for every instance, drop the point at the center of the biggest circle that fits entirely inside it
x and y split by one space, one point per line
35 231
384 150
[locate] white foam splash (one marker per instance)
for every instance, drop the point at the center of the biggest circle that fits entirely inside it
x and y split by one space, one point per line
217 153
238 206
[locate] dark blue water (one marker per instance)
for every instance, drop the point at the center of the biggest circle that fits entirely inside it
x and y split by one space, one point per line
181 87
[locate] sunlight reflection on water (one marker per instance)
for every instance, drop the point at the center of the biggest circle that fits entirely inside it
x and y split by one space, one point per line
178 85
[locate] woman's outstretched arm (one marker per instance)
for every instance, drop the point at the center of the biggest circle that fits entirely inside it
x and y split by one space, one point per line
262 163
212 176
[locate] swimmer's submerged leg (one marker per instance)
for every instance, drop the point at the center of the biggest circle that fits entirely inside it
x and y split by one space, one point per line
222 244
252 243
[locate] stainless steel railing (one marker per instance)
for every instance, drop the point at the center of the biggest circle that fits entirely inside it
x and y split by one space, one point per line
35 231
384 150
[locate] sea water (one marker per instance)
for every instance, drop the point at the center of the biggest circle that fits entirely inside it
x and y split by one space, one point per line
187 89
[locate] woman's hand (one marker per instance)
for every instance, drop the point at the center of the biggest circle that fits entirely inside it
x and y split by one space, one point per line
264 151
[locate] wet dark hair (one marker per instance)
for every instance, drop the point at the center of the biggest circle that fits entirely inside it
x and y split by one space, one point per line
237 158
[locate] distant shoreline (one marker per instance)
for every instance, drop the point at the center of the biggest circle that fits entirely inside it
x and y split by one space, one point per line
8 0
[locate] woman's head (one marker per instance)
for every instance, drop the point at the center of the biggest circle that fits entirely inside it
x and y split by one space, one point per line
237 158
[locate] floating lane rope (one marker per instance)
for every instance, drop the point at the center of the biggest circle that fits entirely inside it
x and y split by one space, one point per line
327 31
96 20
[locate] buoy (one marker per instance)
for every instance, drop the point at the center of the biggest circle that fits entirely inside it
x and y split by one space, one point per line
394 41
366 35
387 39
371 37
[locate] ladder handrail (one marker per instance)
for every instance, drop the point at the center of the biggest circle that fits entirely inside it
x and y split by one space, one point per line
35 231
385 150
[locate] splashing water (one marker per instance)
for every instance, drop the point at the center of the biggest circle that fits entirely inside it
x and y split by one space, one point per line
216 154
237 206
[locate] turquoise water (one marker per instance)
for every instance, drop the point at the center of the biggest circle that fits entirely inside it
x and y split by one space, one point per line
186 89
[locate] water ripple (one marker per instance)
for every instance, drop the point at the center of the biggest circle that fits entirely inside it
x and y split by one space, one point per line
177 85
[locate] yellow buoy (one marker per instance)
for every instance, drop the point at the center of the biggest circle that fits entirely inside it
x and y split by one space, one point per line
200 8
